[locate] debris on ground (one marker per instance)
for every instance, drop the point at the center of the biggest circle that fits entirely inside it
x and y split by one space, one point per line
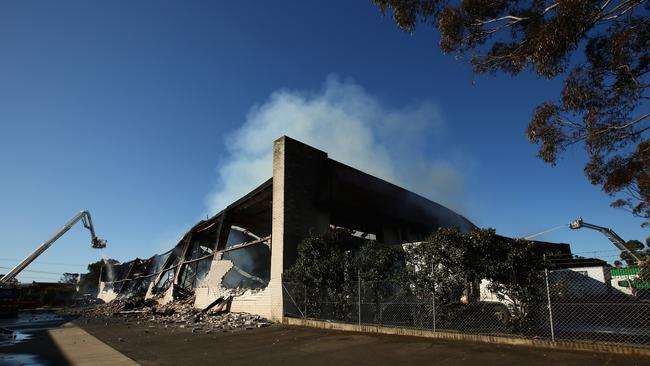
178 313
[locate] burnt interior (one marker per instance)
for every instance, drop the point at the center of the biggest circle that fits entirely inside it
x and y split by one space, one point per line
234 234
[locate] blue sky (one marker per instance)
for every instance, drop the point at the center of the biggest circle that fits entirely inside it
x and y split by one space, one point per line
137 111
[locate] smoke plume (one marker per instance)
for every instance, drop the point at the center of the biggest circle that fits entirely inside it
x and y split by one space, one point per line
400 145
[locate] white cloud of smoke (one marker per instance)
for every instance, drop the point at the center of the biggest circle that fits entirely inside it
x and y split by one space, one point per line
396 144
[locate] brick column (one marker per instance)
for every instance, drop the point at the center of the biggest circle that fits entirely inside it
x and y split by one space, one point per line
299 173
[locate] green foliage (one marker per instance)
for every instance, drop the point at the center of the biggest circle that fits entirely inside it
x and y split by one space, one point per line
328 271
379 267
516 278
434 267
451 264
638 249
377 262
323 267
448 265
323 260
426 275
602 104
69 278
641 251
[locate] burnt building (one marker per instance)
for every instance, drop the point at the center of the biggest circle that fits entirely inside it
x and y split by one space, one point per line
243 250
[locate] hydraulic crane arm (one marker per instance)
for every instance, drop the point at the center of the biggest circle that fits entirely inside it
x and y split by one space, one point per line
84 217
609 233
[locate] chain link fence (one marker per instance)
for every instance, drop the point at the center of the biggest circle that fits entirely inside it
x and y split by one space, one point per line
587 309
573 306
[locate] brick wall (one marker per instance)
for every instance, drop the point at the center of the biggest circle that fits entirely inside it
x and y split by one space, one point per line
299 174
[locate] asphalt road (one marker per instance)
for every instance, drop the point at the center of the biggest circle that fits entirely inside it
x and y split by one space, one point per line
283 345
31 344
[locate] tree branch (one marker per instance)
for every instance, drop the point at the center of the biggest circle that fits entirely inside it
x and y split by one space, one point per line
631 4
513 19
627 125
550 7
570 124
605 4
479 22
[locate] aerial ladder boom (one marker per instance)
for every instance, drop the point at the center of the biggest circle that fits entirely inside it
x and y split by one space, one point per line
84 217
609 233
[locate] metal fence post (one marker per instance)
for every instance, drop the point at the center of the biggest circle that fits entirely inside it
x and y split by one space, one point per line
433 298
550 310
305 314
359 294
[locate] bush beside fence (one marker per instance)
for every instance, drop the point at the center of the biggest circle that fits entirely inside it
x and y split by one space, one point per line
582 310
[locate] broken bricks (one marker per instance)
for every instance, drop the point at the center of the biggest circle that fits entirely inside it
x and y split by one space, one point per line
177 314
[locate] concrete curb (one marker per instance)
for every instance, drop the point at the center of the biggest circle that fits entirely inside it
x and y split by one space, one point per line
81 348
539 343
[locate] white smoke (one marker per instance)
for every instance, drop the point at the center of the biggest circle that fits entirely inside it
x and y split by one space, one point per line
353 127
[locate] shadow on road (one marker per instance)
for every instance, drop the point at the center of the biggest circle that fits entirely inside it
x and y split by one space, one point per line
26 341
37 349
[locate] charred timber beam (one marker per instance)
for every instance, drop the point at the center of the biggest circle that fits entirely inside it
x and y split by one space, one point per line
265 240
163 270
186 245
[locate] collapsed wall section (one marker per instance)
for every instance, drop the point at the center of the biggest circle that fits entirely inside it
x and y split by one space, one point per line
236 242
241 267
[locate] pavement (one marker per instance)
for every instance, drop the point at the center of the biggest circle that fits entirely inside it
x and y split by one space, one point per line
80 348
67 344
127 342
289 345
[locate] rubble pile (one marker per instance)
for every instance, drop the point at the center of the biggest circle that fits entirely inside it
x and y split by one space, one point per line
117 306
178 313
